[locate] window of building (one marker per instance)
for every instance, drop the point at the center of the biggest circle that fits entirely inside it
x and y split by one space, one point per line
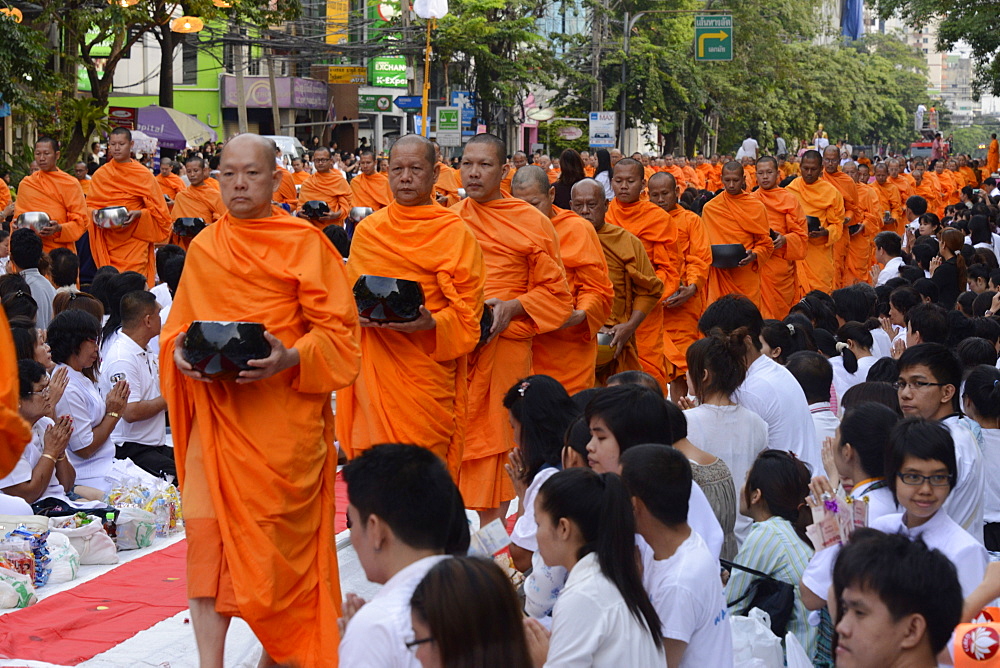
189 60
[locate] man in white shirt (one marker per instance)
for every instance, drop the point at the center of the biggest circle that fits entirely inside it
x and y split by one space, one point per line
405 515
916 206
769 390
141 434
25 254
929 379
679 574
750 147
888 251
815 375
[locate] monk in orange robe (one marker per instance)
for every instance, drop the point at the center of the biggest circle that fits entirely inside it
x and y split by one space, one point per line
170 183
123 181
971 178
83 177
949 189
869 216
448 182
526 286
670 167
56 193
370 188
898 179
683 308
413 382
255 455
704 171
715 179
569 354
927 189
6 203
327 185
517 161
285 194
200 200
893 207
637 289
15 433
820 200
993 155
690 175
779 282
656 230
734 217
588 167
749 174
845 184
299 173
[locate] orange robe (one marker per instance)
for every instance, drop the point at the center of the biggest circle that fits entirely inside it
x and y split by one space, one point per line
448 182
59 195
739 219
861 257
750 176
779 282
680 323
286 193
636 288
329 187
715 179
15 433
891 201
588 171
704 175
970 176
849 191
993 157
170 185
569 354
522 262
256 462
202 201
371 191
932 193
679 178
822 200
300 177
690 175
85 186
648 171
656 231
949 188
213 182
129 248
906 189
4 194
553 175
413 387
506 181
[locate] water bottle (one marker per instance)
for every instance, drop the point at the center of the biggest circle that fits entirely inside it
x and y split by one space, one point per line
111 527
161 516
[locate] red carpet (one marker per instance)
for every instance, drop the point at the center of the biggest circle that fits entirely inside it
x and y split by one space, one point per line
75 625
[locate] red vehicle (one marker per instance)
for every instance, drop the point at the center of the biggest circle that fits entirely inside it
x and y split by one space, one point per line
922 149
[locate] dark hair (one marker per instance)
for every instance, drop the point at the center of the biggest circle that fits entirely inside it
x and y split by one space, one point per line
729 313
20 304
981 304
814 374
783 481
884 369
68 331
860 334
903 299
172 270
921 439
916 204
601 508
932 220
660 477
136 305
633 413
890 242
603 161
25 248
472 613
634 377
678 423
954 240
941 362
29 372
982 387
880 392
578 436
907 576
339 238
83 301
118 287
570 168
817 307
100 285
928 320
544 411
911 273
853 304
927 289
583 397
979 229
974 351
867 427
409 488
25 339
787 336
11 283
165 254
723 357
64 265
979 271
987 328
965 301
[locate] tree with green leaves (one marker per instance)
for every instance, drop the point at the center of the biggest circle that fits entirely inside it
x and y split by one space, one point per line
28 79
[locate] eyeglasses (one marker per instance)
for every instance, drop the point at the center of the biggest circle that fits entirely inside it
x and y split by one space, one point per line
416 642
915 479
915 384
44 392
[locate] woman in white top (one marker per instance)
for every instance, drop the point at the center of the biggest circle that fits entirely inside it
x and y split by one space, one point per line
854 343
603 617
73 337
718 425
981 400
604 173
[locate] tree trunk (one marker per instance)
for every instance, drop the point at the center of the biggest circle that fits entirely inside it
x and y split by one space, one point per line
165 36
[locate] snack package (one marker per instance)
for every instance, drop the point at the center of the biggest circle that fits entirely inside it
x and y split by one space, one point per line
39 550
835 519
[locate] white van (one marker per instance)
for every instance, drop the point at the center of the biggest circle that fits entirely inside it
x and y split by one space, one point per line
290 147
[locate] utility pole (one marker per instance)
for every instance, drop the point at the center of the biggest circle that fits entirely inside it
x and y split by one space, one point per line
597 39
275 111
241 93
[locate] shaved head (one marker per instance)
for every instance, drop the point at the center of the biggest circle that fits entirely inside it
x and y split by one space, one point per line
248 176
586 187
494 142
122 131
413 140
733 166
530 177
662 189
664 179
588 201
413 170
625 163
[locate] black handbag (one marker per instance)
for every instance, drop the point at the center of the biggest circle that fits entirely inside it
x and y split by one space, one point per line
771 595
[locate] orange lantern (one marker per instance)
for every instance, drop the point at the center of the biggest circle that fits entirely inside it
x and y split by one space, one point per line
12 12
222 4
123 3
187 24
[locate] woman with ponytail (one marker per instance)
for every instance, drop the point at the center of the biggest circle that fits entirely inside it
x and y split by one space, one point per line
981 399
774 498
854 343
949 273
603 617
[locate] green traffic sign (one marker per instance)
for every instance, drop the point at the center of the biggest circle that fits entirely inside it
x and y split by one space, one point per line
713 37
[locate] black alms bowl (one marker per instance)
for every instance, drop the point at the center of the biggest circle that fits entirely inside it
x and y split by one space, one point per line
188 227
383 299
485 324
727 256
813 223
220 350
315 208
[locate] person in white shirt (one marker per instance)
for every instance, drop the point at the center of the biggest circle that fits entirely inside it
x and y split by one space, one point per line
769 390
854 343
25 255
858 454
750 147
72 338
142 433
680 575
929 380
405 515
603 617
888 252
163 255
981 400
815 375
916 207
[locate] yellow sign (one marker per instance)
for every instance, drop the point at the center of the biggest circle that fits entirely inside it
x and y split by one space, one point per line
336 21
348 74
